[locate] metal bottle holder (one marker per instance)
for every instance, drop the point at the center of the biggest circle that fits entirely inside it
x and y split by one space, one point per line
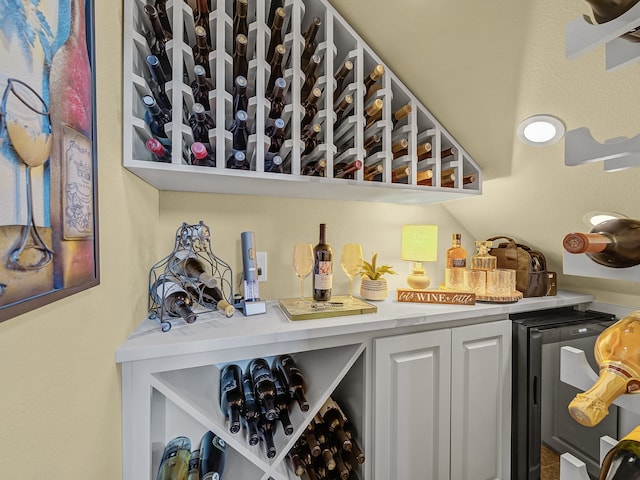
195 240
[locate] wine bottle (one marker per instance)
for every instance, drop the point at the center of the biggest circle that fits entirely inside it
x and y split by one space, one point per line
213 452
310 76
201 86
200 123
160 38
315 168
158 82
340 77
161 8
400 148
312 442
277 98
238 161
607 10
266 430
239 132
447 152
240 61
447 177
201 18
346 170
200 155
156 118
277 70
322 267
613 243
355 447
231 395
400 173
423 150
341 467
341 108
276 33
401 113
186 265
373 171
456 254
293 379
310 105
297 463
175 459
273 6
310 139
264 387
622 462
467 179
424 176
240 25
334 419
327 456
283 399
212 297
240 99
617 353
251 409
159 152
201 51
372 112
375 75
310 41
193 472
276 136
173 299
274 164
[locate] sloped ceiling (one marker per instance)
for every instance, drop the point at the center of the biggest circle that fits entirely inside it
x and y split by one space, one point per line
482 67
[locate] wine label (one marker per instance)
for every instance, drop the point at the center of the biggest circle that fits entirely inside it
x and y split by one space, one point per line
324 277
78 185
165 288
229 383
459 263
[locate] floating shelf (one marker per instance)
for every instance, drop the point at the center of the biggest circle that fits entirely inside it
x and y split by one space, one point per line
336 42
582 35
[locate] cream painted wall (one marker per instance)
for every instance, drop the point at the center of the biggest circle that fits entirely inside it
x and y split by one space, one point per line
60 388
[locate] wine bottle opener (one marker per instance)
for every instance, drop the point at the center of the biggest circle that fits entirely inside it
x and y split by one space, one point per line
251 305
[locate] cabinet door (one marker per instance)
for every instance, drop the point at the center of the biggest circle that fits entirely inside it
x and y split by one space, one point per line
412 405
481 401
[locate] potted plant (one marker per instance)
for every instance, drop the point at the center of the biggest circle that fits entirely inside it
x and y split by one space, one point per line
373 285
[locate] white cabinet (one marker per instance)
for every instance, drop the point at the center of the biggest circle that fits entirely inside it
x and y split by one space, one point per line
442 404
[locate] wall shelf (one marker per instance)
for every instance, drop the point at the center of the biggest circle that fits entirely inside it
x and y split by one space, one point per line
336 41
582 36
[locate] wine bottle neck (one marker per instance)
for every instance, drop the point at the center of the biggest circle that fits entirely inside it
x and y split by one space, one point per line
590 407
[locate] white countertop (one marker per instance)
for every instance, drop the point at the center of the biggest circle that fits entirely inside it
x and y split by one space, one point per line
215 331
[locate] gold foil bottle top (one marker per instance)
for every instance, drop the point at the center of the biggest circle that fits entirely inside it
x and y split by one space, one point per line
374 108
588 410
377 73
278 18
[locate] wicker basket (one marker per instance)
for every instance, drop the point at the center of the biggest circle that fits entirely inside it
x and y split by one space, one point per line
374 289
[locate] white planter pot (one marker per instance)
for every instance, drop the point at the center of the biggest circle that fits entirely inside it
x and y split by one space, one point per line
374 289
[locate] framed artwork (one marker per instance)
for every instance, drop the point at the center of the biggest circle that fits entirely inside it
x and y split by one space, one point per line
48 164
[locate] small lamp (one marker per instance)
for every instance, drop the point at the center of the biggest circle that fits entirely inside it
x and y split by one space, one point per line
419 244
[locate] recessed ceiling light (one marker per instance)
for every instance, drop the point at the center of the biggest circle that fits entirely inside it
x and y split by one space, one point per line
541 130
592 219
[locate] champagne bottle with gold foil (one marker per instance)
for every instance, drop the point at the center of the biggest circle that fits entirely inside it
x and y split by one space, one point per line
400 114
623 461
372 112
617 352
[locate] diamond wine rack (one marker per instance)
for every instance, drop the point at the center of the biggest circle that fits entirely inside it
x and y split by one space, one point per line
453 176
583 36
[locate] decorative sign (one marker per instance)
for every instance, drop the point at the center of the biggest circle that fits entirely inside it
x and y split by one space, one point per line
436 296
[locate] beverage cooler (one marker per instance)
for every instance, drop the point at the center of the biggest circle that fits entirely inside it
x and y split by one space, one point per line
542 428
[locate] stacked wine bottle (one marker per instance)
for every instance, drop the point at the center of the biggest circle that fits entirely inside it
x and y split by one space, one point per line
253 91
206 462
260 398
189 276
328 447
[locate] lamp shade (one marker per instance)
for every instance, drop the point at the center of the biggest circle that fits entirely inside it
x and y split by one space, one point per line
420 243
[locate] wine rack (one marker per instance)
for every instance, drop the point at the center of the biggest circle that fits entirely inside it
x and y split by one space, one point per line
336 42
186 402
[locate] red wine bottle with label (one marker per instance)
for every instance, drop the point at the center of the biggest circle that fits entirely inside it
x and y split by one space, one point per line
263 385
213 451
322 268
250 410
231 395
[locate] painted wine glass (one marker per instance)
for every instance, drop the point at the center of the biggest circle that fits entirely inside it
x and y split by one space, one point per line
351 262
302 264
28 125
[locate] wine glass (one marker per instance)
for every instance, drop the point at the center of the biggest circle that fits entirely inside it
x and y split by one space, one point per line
302 264
351 262
26 118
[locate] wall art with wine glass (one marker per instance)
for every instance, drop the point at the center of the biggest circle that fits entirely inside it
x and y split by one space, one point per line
48 164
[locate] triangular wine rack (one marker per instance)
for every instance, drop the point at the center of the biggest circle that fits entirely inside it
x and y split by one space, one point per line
337 41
